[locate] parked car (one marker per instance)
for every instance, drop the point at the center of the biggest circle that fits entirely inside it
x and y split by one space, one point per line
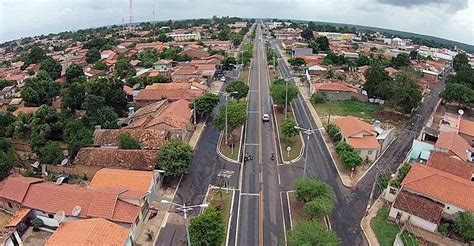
266 117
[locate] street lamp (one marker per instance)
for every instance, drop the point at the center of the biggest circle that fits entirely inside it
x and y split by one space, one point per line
227 94
286 99
183 208
307 132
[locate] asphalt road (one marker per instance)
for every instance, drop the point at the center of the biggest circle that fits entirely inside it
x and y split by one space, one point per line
351 203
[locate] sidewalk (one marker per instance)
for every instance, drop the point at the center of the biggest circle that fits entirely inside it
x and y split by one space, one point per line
197 133
365 223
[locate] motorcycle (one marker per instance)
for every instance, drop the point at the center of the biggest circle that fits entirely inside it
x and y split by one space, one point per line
273 156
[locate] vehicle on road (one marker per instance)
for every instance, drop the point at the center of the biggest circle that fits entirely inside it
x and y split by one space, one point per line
223 78
265 117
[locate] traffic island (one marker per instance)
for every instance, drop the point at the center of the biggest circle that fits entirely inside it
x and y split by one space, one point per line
221 199
231 150
291 148
297 210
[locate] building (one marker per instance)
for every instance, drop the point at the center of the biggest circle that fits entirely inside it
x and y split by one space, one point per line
185 36
288 34
463 127
171 91
151 139
90 232
452 143
175 117
72 202
336 90
143 185
194 53
360 135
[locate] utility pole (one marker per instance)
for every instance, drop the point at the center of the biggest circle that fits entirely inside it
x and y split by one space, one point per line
194 111
183 208
307 132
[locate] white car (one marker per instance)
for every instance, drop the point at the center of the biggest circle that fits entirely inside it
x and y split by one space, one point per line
266 117
223 78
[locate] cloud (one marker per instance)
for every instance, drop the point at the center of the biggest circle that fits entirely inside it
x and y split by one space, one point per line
447 5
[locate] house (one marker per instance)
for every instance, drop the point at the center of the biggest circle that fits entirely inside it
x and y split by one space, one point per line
95 231
171 116
46 199
456 123
299 52
391 71
194 53
185 36
25 110
13 225
419 211
171 91
315 70
429 194
288 34
145 184
151 139
186 73
98 158
452 143
446 162
336 90
360 135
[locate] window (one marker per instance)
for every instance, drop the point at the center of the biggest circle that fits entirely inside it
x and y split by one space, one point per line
50 216
369 152
10 205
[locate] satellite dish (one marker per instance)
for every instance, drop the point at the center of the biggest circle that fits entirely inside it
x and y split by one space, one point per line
64 162
460 112
60 216
59 180
36 164
76 210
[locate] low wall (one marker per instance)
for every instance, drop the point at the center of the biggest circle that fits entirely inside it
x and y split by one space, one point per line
77 170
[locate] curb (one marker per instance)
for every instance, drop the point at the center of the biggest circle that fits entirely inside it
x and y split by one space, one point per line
222 155
365 216
377 160
303 144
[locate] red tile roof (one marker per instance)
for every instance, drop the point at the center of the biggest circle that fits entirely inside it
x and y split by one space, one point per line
16 187
138 181
466 127
439 185
450 164
357 133
148 138
335 86
117 158
176 115
451 141
89 232
419 206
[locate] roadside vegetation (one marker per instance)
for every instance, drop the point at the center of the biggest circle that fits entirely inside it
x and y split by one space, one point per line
386 231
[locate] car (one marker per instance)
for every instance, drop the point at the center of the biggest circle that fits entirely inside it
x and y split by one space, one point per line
265 117
223 78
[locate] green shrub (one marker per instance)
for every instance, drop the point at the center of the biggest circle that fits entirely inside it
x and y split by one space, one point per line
318 98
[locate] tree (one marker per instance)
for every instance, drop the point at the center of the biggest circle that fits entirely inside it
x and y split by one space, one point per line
350 159
464 225
73 72
318 208
36 55
296 62
6 124
174 158
323 43
362 60
7 158
307 34
40 90
93 55
126 141
22 125
458 93
459 61
228 63
343 146
51 153
206 103
382 180
311 233
236 116
307 189
97 113
73 96
401 60
413 54
281 92
207 229
52 67
333 59
123 69
77 136
238 86
403 171
100 65
333 132
288 129
318 98
111 89
378 82
405 95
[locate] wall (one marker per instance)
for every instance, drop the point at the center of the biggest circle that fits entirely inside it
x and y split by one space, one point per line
76 170
468 138
413 220
388 139
365 153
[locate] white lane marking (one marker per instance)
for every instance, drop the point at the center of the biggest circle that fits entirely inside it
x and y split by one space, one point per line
249 194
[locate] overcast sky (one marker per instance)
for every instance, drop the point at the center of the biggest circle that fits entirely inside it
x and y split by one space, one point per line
451 19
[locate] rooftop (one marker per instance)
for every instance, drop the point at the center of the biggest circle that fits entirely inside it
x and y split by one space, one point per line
440 185
148 138
138 181
450 164
357 133
89 232
419 206
451 141
117 158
